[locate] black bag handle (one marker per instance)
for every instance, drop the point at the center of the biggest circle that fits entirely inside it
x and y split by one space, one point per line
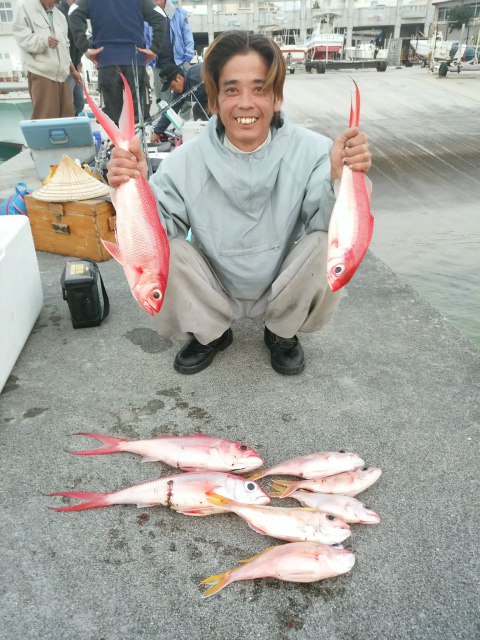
106 303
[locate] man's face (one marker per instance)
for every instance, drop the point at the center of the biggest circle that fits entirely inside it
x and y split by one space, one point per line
245 107
49 4
161 3
178 84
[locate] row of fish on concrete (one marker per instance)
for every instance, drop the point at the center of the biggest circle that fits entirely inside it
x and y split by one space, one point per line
210 484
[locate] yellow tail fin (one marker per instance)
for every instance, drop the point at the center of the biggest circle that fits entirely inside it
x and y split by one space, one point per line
219 501
257 474
283 488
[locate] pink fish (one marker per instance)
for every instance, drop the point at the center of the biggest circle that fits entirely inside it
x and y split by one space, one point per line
293 562
185 492
142 246
351 224
348 509
346 484
292 524
189 453
314 465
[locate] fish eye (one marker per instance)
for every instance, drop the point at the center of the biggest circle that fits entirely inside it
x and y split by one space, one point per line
342 451
331 518
337 545
365 468
339 269
157 294
243 447
368 508
250 486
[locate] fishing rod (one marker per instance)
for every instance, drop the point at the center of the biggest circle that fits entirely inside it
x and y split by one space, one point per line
141 125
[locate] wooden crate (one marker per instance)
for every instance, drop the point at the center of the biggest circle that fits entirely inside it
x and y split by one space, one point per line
72 228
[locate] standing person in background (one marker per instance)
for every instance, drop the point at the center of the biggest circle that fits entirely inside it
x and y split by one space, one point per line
117 40
178 45
41 32
78 96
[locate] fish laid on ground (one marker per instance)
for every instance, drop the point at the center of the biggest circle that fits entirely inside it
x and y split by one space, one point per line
295 525
348 509
292 562
190 453
314 465
351 224
346 484
142 246
185 492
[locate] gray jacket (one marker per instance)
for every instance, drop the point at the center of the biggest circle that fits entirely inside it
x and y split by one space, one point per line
31 29
246 211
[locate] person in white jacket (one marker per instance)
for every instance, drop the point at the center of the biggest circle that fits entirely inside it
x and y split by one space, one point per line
256 191
41 32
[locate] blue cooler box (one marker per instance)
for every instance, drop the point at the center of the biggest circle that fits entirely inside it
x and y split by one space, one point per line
50 139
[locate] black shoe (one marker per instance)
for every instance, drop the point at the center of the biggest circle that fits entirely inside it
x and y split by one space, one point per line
287 353
194 356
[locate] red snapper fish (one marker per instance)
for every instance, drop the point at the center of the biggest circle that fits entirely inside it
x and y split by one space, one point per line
351 224
293 524
185 493
348 509
346 484
142 246
189 453
292 562
314 465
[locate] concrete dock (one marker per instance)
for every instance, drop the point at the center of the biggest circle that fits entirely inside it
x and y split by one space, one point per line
389 378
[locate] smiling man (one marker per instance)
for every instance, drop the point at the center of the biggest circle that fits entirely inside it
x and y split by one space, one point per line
257 193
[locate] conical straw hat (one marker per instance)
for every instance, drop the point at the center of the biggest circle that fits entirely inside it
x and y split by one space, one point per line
71 182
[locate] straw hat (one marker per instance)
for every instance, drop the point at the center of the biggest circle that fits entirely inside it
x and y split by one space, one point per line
71 182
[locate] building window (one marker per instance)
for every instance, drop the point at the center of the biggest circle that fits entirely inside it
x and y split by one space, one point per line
443 13
6 13
244 5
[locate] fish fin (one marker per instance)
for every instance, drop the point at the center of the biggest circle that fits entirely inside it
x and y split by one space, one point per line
111 445
194 512
151 459
257 530
255 556
126 123
290 487
219 501
114 250
90 499
223 580
107 123
275 494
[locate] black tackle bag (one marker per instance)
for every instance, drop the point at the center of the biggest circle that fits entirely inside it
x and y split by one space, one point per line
81 283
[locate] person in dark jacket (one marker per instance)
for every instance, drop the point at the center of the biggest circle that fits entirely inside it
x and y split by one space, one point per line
181 81
117 41
76 58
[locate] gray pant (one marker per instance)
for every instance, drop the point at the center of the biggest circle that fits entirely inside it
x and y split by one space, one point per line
196 304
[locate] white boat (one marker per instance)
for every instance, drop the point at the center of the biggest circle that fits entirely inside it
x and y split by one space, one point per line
322 46
361 51
15 106
436 44
293 53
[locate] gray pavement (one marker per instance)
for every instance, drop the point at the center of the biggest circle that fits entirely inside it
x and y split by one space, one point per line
389 378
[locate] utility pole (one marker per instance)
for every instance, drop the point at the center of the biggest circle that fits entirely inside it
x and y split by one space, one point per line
350 7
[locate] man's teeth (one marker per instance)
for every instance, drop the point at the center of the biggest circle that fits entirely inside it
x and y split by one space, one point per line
246 120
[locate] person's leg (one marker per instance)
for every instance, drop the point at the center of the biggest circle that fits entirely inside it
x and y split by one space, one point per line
65 100
47 96
300 300
196 307
110 85
78 98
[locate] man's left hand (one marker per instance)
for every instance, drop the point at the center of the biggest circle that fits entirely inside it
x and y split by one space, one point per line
350 148
149 55
77 77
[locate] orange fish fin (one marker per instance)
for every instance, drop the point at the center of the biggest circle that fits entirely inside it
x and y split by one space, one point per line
285 486
222 580
220 501
275 494
257 474
107 123
126 124
114 250
255 556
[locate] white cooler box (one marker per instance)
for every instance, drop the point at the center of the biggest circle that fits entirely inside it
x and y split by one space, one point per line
192 129
50 139
21 297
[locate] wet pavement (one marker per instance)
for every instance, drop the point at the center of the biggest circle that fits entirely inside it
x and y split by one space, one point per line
389 378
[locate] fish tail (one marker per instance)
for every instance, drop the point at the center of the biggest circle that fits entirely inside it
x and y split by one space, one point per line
280 490
221 580
257 474
355 114
112 445
126 129
90 500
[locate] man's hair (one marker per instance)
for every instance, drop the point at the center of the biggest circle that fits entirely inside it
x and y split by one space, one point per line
233 43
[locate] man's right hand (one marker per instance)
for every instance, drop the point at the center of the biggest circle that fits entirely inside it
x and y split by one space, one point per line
52 42
92 55
124 164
